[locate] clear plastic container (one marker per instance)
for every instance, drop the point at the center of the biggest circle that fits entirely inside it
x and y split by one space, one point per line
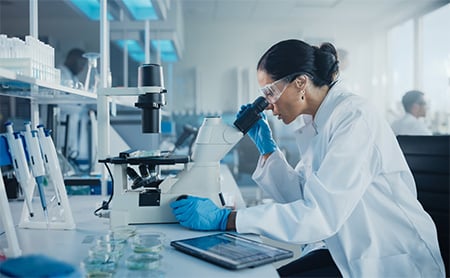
99 275
105 252
143 261
112 241
94 267
148 242
123 232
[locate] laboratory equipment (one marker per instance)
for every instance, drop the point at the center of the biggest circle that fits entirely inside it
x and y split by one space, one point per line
98 267
231 251
12 249
149 203
36 163
148 242
146 261
31 58
19 162
92 77
54 175
44 165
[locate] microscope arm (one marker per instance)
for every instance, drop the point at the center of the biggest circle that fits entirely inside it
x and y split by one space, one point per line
214 140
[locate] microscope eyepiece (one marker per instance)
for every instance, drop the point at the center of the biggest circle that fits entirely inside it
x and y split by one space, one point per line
260 104
251 115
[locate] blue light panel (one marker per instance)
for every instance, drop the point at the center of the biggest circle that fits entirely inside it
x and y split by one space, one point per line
141 9
166 49
91 8
135 50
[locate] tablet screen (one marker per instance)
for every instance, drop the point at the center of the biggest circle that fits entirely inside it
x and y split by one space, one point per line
231 251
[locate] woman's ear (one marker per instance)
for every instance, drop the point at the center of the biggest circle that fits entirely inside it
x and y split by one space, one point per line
300 82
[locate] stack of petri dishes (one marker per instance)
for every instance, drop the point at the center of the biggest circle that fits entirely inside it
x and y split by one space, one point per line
104 256
141 249
147 246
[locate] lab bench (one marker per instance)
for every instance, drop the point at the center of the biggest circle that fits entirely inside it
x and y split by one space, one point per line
72 246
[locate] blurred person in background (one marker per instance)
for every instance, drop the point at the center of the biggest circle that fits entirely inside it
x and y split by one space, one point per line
415 108
73 115
72 66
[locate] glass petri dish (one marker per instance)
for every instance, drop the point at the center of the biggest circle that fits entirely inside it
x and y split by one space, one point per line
97 266
111 241
147 242
105 252
123 232
143 261
99 275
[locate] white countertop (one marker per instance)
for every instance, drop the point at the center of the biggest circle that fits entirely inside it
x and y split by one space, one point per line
72 245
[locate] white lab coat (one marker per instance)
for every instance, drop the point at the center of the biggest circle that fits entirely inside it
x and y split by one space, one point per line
68 78
352 189
410 125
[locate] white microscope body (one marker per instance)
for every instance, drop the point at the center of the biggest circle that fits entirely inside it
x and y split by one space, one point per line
199 178
147 199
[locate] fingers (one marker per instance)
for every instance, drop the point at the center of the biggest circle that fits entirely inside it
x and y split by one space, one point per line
180 203
184 215
189 220
263 116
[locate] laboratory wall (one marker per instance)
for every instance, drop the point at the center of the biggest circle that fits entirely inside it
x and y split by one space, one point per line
217 71
222 57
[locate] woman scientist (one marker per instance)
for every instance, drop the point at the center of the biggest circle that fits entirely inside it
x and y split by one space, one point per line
352 188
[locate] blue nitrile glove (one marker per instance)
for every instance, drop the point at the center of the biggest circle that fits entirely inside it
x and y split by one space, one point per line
200 214
37 265
260 133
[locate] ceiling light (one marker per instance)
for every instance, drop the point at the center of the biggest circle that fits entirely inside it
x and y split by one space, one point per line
141 9
134 49
90 8
166 49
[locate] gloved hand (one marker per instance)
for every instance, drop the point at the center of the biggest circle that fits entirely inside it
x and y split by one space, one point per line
200 214
260 133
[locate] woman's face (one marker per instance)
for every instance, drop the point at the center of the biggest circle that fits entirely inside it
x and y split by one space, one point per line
289 105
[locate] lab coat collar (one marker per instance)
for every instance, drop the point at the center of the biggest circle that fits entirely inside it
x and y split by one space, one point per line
300 122
326 107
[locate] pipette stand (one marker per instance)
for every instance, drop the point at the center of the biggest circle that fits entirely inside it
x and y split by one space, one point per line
59 212
13 249
60 216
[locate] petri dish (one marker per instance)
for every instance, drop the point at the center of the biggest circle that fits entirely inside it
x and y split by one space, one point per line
123 232
111 241
105 252
143 261
147 242
97 266
99 275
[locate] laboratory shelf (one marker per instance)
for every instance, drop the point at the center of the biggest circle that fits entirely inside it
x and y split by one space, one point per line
42 92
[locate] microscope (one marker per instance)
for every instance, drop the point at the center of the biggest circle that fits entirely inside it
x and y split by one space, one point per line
145 198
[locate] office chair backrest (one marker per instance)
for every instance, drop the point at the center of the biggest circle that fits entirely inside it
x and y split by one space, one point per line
428 158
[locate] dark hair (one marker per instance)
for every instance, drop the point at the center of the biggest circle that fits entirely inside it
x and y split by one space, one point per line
411 97
75 61
292 56
75 53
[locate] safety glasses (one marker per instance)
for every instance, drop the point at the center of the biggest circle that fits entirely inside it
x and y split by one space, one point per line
274 90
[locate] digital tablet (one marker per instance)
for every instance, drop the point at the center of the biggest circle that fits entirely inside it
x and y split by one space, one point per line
231 251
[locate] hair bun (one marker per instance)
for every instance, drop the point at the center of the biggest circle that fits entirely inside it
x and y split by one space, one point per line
328 47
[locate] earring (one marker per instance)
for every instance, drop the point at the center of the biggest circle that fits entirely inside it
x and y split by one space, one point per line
303 94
